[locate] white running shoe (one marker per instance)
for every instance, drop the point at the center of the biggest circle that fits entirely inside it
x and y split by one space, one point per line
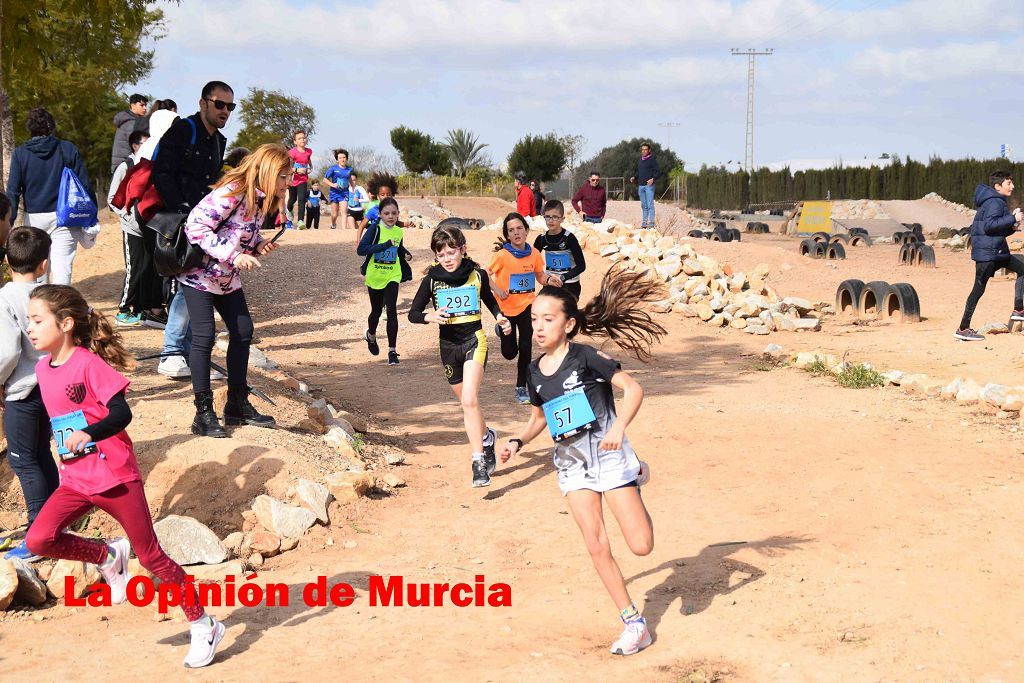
115 570
205 638
635 637
645 474
174 367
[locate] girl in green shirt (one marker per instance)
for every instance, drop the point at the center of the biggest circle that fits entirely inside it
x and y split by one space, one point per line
381 244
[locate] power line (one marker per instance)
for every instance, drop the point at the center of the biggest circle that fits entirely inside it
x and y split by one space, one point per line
748 151
669 126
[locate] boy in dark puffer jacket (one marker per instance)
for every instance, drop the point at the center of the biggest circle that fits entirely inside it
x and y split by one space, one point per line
993 223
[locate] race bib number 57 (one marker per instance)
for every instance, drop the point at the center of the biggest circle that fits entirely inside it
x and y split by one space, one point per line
568 415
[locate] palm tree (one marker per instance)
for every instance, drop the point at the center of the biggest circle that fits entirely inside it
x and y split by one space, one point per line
466 151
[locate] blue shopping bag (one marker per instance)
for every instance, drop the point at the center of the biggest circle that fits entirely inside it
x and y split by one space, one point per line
75 208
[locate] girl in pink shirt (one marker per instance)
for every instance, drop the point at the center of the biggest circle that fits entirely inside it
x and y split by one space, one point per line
298 189
84 397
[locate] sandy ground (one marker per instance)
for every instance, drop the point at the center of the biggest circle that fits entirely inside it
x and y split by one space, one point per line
804 531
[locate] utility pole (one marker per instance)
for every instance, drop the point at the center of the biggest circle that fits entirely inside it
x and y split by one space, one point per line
748 155
669 126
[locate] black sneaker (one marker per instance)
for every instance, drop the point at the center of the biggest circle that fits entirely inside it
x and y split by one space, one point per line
967 335
490 458
480 475
392 357
1017 315
371 343
155 320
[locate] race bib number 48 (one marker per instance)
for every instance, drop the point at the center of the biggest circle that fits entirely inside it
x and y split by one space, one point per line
459 300
520 283
568 415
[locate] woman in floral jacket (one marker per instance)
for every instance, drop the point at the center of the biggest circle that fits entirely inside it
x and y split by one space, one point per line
226 226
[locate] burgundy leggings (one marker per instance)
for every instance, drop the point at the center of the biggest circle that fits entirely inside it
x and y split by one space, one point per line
127 504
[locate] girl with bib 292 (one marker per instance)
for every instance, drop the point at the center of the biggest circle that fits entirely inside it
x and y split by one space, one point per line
570 387
457 286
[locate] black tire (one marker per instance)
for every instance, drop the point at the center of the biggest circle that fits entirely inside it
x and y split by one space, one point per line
735 234
908 254
967 243
897 237
964 232
820 237
835 252
807 247
911 237
869 305
925 256
752 226
901 300
819 249
860 240
847 296
857 231
695 233
721 235
839 237
917 229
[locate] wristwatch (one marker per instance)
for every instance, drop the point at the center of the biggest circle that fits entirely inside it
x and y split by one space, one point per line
518 442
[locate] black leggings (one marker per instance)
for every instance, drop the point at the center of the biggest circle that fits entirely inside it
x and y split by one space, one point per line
235 313
519 342
573 288
378 299
983 272
298 193
314 218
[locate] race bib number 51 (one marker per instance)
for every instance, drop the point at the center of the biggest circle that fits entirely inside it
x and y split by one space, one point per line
568 415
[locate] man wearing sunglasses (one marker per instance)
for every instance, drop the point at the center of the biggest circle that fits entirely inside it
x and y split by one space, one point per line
187 162
593 198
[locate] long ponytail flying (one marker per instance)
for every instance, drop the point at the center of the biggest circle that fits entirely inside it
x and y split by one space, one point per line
92 329
617 312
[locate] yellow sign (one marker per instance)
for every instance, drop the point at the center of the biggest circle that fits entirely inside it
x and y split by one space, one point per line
815 217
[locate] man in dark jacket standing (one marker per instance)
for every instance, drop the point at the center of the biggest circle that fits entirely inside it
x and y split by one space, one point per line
591 200
187 163
992 224
36 169
647 171
126 123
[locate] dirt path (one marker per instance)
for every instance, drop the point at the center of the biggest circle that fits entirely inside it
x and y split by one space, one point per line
881 533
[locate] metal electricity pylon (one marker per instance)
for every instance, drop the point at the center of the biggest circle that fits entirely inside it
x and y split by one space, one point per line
748 153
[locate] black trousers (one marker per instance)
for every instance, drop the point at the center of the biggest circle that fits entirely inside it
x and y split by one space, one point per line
573 288
298 193
235 313
313 218
379 298
518 344
143 288
983 272
27 427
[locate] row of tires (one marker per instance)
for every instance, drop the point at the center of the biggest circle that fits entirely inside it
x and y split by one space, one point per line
718 234
757 228
878 300
916 254
834 251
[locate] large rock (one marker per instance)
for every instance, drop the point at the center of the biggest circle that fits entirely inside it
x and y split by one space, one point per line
950 390
348 487
281 518
1013 403
704 312
315 497
189 541
995 394
803 305
807 324
84 574
31 589
921 384
994 328
266 543
8 583
806 359
970 392
756 329
692 266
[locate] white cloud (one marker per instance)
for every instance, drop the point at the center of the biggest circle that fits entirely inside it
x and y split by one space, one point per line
947 63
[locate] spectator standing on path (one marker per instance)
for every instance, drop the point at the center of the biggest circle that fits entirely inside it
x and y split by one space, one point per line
525 202
183 173
36 169
538 198
993 223
647 172
126 123
591 200
298 190
143 289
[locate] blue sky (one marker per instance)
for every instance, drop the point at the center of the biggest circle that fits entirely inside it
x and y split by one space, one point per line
847 79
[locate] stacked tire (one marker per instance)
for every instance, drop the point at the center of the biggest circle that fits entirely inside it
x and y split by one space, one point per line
917 254
757 228
878 300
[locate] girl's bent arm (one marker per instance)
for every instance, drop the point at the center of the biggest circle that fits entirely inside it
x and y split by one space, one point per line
633 396
419 303
533 428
